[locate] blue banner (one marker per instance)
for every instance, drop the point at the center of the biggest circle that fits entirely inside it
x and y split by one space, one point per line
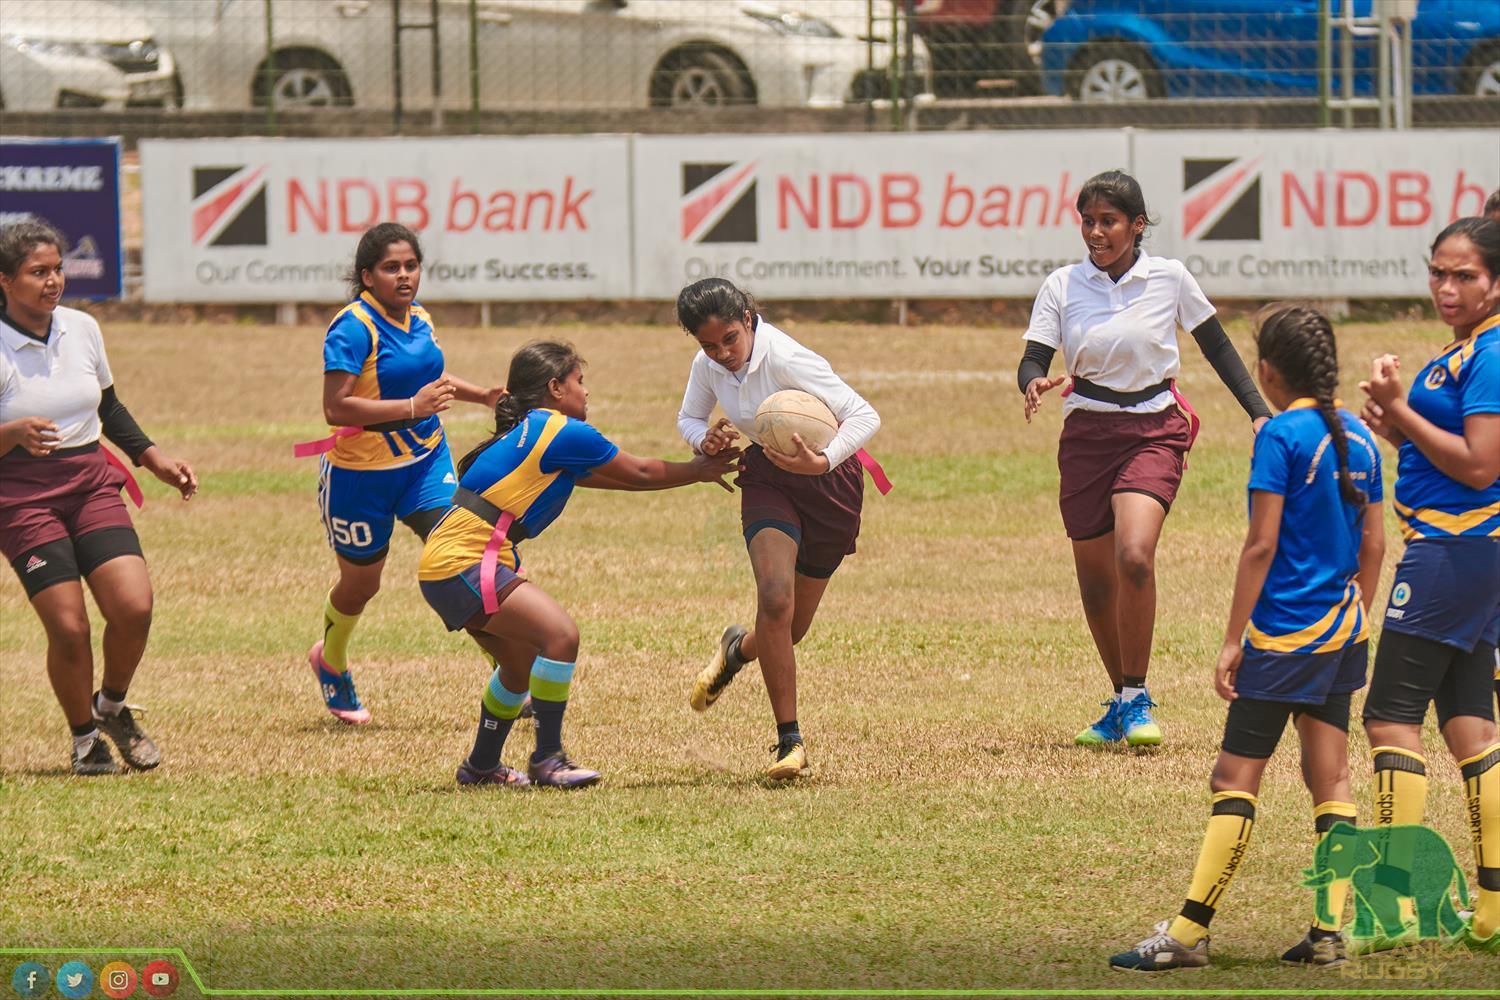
74 184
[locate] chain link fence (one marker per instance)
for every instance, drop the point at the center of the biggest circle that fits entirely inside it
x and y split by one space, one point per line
332 67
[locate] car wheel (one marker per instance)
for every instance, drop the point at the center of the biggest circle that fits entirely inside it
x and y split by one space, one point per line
1115 73
701 78
303 79
1481 75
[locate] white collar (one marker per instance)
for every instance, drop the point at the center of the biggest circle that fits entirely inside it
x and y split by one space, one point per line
16 338
761 347
1141 270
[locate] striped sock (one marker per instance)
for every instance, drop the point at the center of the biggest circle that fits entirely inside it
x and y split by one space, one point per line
1224 846
497 713
1482 795
1400 800
550 681
1325 814
337 628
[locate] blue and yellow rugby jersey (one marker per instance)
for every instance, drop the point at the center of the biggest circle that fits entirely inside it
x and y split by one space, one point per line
1310 602
531 472
1464 379
392 361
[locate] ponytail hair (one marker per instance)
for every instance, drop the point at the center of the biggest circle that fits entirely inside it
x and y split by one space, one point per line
532 370
1297 341
713 298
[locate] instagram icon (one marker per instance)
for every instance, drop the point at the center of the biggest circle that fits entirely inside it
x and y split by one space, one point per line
117 979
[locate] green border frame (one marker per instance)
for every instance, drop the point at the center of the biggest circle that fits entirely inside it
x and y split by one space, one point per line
207 991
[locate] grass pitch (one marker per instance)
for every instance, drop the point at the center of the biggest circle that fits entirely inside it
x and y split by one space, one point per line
951 838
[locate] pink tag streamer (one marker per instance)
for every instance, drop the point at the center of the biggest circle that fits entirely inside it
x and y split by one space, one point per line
132 488
308 449
877 474
489 561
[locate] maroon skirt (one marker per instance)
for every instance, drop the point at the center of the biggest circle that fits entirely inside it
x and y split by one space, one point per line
1101 454
63 495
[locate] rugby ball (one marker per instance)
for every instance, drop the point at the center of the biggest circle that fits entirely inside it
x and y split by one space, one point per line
792 411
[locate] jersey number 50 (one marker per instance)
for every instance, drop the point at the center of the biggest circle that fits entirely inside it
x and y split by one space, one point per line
346 533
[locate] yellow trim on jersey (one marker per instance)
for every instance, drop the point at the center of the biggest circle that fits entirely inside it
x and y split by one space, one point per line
1308 403
459 539
1448 524
1456 361
374 303
1350 630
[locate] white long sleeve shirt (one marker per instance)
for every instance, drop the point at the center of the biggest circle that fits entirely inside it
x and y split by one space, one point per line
776 362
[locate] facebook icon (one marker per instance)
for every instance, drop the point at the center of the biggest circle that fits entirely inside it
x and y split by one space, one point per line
29 980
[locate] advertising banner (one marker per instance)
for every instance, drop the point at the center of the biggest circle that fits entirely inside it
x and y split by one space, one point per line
250 220
74 184
863 216
1317 214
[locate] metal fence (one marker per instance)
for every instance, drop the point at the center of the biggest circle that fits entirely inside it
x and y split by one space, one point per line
330 67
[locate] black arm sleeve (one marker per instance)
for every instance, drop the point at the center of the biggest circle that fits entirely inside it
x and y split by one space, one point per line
1034 363
120 427
1220 352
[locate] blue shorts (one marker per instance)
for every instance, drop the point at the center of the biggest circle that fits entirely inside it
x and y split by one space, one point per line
456 599
1301 678
1448 590
360 506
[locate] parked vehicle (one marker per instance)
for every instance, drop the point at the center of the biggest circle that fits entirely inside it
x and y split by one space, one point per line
1128 50
533 54
82 54
975 42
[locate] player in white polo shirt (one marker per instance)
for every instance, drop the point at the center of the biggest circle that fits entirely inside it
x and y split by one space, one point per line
1126 430
61 517
800 515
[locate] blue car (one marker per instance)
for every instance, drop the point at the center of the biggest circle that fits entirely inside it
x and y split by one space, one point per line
1127 50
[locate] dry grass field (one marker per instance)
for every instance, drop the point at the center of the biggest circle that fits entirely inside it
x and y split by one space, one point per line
951 838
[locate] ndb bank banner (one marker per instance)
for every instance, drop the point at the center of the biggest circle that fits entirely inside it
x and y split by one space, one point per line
74 184
975 214
1311 213
278 220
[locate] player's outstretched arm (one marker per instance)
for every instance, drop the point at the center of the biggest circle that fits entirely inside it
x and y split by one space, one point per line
467 392
632 472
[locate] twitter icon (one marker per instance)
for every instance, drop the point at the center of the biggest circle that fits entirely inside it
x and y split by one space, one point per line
75 980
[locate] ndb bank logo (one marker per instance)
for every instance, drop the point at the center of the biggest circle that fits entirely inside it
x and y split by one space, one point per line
718 203
229 206
1221 199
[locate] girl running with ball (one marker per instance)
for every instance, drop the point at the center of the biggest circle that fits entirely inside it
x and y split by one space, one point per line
1296 643
799 512
1126 430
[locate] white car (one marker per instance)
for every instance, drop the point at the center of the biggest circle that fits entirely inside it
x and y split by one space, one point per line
533 55
80 54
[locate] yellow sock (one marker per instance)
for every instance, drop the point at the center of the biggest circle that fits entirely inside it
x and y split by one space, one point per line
1482 796
337 628
1224 846
1325 814
1400 799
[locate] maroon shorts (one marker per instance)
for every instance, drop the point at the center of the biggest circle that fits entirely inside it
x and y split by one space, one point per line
821 513
1101 454
64 495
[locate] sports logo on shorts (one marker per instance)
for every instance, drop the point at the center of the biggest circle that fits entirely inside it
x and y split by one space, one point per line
718 203
1400 594
229 206
1221 199
1436 376
35 563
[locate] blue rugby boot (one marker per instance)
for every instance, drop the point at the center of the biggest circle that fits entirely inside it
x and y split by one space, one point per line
337 689
1140 728
1107 730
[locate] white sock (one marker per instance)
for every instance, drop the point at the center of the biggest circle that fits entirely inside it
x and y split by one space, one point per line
83 744
106 706
1128 694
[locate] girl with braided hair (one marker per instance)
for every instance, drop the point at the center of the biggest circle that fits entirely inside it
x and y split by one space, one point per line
510 488
1295 646
1443 619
